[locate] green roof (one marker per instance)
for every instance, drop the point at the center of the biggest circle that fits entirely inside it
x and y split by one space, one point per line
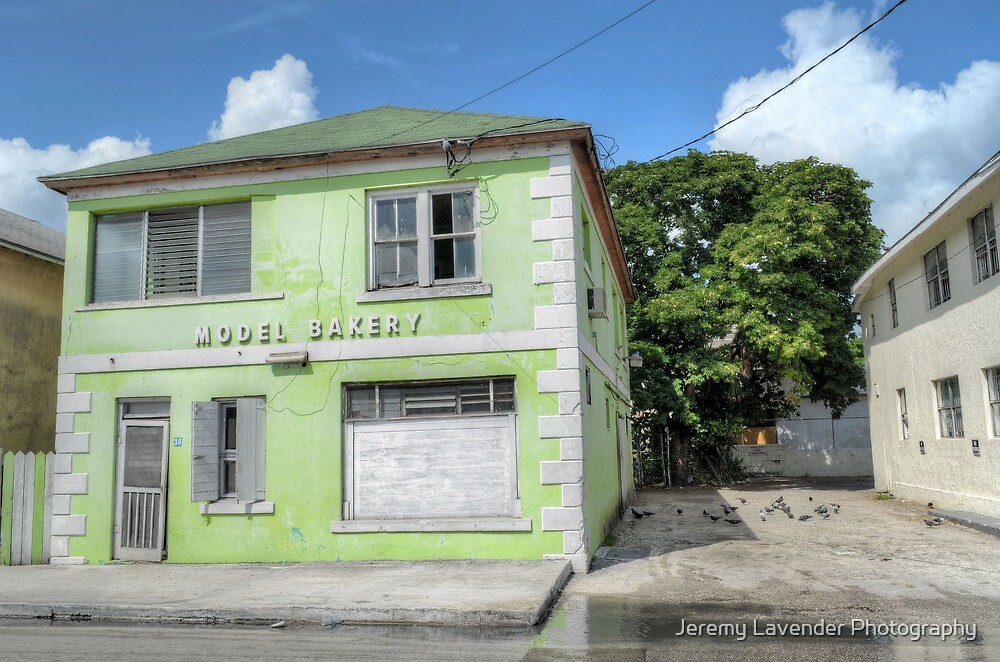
385 126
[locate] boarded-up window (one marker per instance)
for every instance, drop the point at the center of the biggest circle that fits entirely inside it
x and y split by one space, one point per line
456 467
181 251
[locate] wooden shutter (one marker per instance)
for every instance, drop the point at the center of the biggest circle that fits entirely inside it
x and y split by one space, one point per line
225 267
205 435
172 252
117 258
250 449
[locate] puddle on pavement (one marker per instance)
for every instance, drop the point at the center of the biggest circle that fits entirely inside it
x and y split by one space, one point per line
742 631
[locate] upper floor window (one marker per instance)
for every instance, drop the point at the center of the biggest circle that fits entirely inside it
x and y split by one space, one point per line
993 393
427 236
892 303
984 244
949 405
180 251
936 267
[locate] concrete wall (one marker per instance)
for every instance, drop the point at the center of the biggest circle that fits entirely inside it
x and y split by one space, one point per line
957 338
30 309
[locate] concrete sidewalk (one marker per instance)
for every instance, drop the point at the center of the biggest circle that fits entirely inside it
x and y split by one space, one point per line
454 593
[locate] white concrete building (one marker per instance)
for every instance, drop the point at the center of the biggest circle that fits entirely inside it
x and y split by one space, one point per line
929 308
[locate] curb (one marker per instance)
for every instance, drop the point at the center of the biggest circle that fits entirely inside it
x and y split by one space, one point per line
981 523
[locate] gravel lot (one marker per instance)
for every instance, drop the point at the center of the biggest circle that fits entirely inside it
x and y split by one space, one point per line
876 559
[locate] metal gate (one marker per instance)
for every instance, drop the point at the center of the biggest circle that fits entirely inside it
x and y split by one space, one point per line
140 513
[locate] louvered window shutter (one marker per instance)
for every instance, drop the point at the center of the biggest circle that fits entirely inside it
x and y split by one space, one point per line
172 252
205 435
226 249
250 449
117 257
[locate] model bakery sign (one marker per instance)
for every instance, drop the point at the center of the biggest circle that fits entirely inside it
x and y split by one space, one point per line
369 326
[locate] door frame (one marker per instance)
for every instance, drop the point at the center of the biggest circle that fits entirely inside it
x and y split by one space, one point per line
130 553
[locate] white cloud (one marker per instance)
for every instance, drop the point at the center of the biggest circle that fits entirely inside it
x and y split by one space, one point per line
21 164
272 98
916 145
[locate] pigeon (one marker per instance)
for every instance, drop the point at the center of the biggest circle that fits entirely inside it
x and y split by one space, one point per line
836 510
714 518
932 522
790 515
636 514
930 505
704 513
803 518
762 518
733 521
810 498
779 499
679 512
734 508
726 509
742 500
835 505
822 509
825 515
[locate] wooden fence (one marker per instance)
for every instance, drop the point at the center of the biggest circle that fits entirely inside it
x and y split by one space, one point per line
25 507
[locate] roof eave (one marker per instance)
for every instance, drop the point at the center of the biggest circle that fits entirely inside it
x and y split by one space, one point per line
65 184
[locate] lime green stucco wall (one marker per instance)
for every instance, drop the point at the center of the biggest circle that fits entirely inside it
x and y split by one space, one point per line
310 252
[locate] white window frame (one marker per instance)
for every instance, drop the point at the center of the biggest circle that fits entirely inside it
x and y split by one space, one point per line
147 292
993 399
936 273
984 253
904 417
425 237
950 424
893 308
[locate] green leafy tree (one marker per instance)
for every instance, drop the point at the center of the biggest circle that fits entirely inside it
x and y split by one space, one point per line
743 273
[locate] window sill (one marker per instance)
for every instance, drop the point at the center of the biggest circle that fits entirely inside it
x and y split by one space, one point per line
232 507
481 524
179 301
432 292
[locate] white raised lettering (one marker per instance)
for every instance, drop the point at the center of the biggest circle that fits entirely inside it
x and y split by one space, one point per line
224 333
335 327
315 328
391 324
243 332
278 335
264 332
355 328
373 324
413 321
202 336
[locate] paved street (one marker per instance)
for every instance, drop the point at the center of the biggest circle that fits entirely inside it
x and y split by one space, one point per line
874 563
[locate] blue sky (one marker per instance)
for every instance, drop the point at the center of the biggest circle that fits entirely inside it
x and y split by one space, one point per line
911 105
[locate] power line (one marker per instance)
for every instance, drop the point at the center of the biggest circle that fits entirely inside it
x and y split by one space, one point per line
751 109
527 73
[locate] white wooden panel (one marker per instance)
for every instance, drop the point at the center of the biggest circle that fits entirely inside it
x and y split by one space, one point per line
455 467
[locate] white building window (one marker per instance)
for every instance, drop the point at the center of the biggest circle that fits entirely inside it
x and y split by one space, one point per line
892 303
181 251
936 268
993 393
423 237
904 419
984 243
949 405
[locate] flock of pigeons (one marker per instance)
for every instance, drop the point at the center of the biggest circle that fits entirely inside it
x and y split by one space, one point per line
777 505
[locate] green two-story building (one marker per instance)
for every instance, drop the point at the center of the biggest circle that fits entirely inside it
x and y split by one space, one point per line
393 334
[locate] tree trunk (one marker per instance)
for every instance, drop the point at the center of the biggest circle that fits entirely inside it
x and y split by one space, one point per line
679 447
